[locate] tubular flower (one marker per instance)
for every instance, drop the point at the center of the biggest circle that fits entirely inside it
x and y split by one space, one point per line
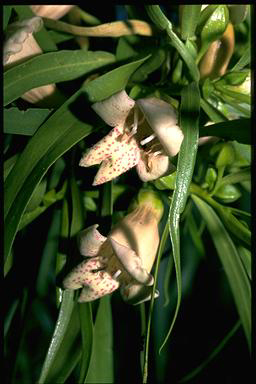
145 134
122 260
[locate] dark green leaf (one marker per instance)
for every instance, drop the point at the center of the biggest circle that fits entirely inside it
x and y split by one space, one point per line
239 130
101 368
111 82
189 117
64 326
7 10
230 259
86 325
24 122
152 64
52 67
213 113
158 17
243 61
58 134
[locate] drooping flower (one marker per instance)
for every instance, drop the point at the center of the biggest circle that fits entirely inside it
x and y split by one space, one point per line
122 260
145 134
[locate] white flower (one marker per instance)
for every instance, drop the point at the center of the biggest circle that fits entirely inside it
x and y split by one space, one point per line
145 135
122 260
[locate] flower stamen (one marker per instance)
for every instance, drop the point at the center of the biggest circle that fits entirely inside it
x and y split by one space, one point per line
147 139
116 274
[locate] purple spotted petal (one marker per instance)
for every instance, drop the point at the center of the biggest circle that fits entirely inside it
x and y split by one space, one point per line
90 275
117 153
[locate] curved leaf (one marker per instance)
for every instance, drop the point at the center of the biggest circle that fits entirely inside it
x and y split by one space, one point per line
58 134
190 106
111 82
232 264
230 130
101 368
51 67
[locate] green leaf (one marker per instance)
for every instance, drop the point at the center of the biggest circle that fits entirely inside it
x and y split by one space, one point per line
195 235
230 130
8 165
37 196
111 82
124 49
184 53
24 122
151 65
244 60
189 117
213 113
233 77
52 67
161 21
50 366
246 257
65 347
189 19
166 182
233 267
57 135
101 368
86 325
49 198
235 226
7 10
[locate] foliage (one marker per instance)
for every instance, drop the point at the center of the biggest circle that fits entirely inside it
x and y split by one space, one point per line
203 267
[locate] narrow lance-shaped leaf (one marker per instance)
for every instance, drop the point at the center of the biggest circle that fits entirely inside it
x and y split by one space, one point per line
52 67
232 264
190 105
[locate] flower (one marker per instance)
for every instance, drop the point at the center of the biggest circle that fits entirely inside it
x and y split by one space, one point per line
19 43
145 133
122 260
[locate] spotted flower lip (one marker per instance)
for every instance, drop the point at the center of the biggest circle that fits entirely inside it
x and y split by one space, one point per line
145 134
122 260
